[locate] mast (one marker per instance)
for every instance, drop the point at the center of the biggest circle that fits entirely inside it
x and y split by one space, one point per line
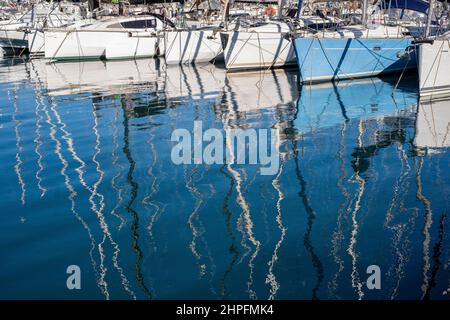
226 11
299 8
33 12
280 8
364 11
430 14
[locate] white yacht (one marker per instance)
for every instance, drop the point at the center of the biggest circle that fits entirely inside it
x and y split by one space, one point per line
196 37
23 32
434 57
261 45
107 38
434 66
192 46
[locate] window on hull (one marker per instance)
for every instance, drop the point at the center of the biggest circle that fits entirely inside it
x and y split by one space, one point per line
139 24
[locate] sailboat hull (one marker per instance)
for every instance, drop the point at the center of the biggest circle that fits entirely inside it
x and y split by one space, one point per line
257 50
83 45
193 46
36 43
434 62
321 60
11 39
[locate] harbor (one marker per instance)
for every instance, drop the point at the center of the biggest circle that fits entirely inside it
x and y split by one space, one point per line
250 150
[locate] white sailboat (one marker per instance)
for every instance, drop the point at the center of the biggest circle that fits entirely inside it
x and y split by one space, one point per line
192 46
434 66
109 38
258 46
23 32
434 62
200 40
195 42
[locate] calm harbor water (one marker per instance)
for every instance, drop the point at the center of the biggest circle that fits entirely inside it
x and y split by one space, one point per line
87 179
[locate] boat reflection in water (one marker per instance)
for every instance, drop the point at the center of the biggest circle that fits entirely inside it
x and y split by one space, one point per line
327 105
433 125
99 77
361 181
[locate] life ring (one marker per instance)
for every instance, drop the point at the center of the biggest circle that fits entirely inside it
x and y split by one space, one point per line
270 11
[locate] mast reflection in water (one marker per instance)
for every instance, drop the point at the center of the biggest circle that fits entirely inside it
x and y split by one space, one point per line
87 179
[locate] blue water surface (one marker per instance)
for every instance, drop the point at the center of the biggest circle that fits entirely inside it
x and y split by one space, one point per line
87 179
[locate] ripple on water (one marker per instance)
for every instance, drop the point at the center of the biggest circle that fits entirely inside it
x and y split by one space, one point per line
88 179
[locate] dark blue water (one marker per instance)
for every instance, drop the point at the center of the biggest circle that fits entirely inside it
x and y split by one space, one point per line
87 179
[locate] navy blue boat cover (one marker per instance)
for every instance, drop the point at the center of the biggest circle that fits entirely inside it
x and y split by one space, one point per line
415 5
